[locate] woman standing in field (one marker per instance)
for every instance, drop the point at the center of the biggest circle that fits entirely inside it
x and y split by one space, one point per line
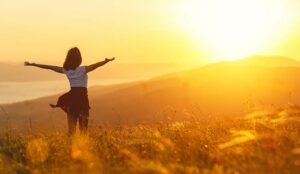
75 102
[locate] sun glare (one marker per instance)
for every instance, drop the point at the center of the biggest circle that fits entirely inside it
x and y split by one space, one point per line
232 29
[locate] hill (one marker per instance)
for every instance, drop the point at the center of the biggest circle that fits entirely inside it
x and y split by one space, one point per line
222 89
270 61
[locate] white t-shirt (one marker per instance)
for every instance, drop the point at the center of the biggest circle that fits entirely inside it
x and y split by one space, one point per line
77 77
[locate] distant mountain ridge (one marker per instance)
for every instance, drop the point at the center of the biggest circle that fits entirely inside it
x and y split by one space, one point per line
19 73
270 61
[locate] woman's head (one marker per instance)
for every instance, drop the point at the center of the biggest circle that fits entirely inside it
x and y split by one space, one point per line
73 59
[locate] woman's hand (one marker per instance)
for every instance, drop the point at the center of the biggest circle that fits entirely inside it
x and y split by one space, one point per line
27 63
109 59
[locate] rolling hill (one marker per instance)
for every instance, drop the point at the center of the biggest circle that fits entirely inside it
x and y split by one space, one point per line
222 89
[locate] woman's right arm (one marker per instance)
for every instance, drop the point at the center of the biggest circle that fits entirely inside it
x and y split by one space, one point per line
50 67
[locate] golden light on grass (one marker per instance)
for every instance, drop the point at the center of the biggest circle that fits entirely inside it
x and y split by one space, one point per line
239 138
82 150
128 155
287 116
7 165
148 166
133 150
271 119
236 28
176 126
37 151
162 142
296 151
257 115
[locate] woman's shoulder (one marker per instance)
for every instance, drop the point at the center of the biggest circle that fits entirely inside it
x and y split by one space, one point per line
81 68
75 72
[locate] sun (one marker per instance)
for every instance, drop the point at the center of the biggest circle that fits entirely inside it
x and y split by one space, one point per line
232 29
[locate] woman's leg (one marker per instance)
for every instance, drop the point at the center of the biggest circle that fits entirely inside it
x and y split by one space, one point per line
83 123
72 120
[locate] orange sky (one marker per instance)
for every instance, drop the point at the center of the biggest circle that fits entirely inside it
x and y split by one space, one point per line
144 31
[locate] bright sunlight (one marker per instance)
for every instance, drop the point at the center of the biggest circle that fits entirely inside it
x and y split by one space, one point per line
235 28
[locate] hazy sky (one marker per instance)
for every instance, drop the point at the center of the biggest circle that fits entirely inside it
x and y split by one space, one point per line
190 31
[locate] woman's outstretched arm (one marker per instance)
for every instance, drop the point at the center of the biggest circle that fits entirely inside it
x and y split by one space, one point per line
51 67
98 64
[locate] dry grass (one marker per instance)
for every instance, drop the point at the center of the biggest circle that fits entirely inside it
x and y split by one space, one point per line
261 142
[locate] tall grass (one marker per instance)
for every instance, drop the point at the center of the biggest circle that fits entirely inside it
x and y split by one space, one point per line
261 142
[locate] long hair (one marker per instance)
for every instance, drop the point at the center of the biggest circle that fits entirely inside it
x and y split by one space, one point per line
73 59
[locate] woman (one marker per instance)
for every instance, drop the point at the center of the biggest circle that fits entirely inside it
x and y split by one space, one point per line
75 102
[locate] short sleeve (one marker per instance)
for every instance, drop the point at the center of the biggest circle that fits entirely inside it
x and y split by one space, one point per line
82 70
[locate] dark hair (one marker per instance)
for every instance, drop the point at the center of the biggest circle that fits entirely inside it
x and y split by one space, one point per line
73 59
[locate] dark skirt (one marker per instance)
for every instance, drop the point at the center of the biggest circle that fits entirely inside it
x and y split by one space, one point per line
74 102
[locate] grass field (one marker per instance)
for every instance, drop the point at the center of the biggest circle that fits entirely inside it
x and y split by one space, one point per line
261 142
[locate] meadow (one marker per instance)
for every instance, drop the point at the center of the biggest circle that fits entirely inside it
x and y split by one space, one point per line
260 142
197 87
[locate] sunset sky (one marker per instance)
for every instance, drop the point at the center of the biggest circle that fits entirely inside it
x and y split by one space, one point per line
142 31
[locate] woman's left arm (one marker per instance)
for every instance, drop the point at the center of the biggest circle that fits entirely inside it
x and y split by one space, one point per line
50 67
94 66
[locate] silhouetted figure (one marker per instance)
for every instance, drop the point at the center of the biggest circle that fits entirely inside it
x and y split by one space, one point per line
75 102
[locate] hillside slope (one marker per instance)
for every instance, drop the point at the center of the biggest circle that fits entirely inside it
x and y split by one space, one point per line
228 88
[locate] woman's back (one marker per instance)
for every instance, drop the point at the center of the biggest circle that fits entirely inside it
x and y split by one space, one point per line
77 77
